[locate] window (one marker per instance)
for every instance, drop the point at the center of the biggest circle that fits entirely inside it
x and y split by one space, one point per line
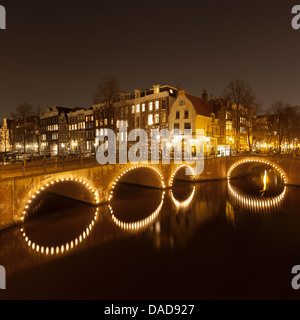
150 119
105 121
163 117
186 114
150 106
143 107
228 125
156 105
137 108
132 109
164 104
242 120
181 102
187 126
137 121
171 91
177 114
156 118
176 126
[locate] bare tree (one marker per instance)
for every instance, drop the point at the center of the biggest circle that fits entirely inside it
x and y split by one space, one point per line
287 121
241 95
107 91
23 113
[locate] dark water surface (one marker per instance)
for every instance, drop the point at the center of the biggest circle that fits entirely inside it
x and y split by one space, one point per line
210 240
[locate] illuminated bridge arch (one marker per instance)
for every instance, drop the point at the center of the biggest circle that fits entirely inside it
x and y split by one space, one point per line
189 168
73 243
34 193
259 161
130 169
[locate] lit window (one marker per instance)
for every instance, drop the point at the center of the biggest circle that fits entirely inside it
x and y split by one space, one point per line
150 119
171 91
137 108
163 117
150 106
143 107
132 109
156 118
156 105
105 121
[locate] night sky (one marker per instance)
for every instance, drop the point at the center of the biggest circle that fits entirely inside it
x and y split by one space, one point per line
54 52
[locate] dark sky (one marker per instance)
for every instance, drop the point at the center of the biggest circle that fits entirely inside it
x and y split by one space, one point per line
54 52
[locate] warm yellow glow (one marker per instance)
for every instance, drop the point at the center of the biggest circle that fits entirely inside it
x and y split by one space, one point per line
255 203
257 160
133 168
138 225
60 249
185 203
177 169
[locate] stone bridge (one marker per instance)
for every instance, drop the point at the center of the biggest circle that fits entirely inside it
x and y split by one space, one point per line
96 184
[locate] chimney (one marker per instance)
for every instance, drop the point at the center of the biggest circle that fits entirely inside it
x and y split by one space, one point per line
156 88
137 93
204 95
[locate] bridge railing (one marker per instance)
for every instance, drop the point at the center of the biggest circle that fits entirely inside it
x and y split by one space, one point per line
58 164
27 167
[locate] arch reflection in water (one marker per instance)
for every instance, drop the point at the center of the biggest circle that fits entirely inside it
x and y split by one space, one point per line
253 203
63 248
184 203
138 225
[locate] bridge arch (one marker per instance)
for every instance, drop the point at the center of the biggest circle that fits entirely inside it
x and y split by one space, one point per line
130 169
259 161
50 182
190 169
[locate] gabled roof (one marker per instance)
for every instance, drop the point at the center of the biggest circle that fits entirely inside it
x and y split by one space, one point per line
202 107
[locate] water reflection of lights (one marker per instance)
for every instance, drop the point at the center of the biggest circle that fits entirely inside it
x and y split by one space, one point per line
177 169
64 248
133 168
256 203
69 245
261 161
138 225
51 183
184 203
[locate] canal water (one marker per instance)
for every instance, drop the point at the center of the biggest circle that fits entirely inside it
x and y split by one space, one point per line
209 240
